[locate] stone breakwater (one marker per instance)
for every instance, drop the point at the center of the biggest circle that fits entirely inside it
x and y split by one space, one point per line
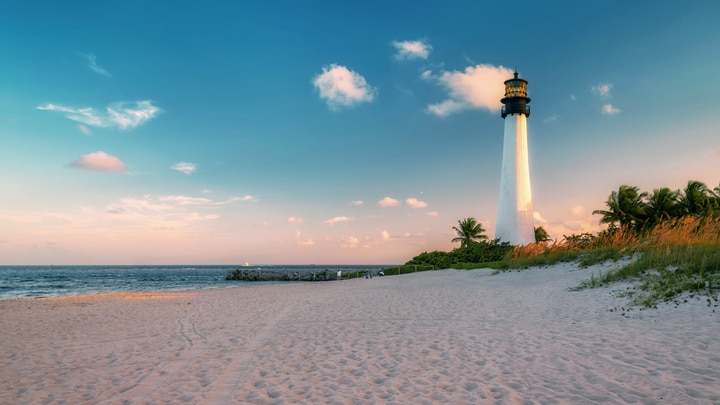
276 275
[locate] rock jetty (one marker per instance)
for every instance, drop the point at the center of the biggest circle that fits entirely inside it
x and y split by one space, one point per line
275 275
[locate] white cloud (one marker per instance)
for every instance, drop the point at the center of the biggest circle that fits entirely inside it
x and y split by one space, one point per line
602 90
99 161
235 199
335 220
407 50
185 167
415 203
609 109
357 202
573 98
245 198
341 87
478 87
121 115
295 220
445 108
432 213
92 62
388 202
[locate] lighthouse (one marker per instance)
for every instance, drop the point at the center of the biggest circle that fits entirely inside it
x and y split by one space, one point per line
515 213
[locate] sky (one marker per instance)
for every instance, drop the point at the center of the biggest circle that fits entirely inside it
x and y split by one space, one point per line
319 132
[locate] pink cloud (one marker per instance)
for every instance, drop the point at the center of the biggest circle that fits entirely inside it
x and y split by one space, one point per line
335 220
388 202
295 220
99 161
415 203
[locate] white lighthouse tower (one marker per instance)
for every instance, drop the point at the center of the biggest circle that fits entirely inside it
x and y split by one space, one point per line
515 213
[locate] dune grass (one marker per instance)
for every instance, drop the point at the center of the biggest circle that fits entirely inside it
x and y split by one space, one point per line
675 260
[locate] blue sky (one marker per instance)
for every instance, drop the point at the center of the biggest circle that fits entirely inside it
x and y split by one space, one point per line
322 132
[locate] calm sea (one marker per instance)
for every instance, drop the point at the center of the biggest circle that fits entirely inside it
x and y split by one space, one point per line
58 281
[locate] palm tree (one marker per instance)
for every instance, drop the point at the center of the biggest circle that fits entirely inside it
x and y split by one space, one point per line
625 207
541 235
469 232
696 199
716 201
663 204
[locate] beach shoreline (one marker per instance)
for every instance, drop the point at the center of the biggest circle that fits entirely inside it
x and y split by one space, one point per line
448 336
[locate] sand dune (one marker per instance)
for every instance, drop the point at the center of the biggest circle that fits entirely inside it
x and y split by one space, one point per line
435 337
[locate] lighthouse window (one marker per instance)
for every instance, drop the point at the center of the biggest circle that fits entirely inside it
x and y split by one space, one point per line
515 89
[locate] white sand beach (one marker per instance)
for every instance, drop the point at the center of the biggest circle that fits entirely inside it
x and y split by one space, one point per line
426 338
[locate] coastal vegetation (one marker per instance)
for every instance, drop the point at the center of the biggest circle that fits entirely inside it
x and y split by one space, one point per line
670 239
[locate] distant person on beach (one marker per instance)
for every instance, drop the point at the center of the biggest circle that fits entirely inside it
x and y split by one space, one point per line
381 273
325 275
339 275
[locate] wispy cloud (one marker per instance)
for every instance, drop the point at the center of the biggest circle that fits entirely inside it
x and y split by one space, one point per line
302 241
602 90
478 87
162 212
432 213
341 87
85 130
407 50
335 220
99 161
388 202
172 204
185 200
415 203
550 119
121 115
609 109
185 167
357 202
92 63
349 242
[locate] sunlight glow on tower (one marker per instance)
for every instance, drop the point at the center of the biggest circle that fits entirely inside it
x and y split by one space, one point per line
515 213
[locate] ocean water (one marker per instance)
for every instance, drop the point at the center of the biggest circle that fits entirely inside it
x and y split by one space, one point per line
59 281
